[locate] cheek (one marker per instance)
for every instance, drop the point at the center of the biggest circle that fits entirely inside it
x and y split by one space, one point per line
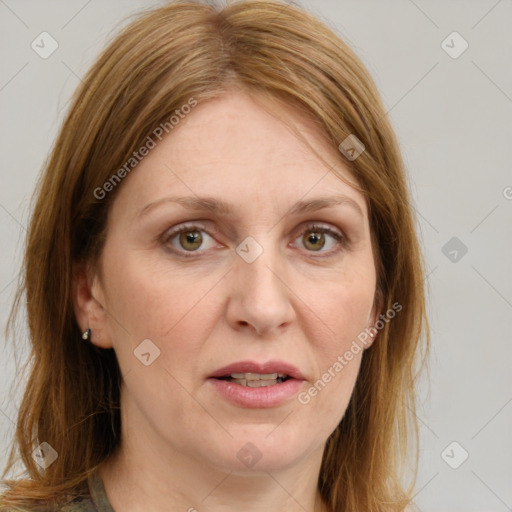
340 312
176 310
149 297
337 356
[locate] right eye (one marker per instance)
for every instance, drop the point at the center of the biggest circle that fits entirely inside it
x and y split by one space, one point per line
187 239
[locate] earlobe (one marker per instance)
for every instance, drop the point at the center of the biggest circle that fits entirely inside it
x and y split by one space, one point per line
89 311
372 329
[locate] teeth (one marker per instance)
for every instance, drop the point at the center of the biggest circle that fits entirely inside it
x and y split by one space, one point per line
258 376
261 383
254 383
257 380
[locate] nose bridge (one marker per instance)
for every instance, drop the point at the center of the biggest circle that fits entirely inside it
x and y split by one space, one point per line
259 264
260 297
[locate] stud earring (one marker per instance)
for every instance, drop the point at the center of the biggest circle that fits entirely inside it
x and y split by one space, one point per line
86 335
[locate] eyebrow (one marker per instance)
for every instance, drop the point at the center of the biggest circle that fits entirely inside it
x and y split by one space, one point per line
220 207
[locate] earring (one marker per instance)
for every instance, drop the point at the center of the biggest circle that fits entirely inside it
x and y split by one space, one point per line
86 335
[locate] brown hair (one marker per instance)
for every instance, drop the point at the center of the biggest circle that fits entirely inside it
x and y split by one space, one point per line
155 65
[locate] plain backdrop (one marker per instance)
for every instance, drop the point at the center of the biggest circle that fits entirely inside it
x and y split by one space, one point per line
452 112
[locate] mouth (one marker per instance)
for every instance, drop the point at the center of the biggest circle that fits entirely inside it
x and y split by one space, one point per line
256 380
255 374
257 385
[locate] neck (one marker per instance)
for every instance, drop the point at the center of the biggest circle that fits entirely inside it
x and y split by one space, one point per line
136 481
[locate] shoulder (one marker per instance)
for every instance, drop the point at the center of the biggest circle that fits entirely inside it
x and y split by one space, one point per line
79 504
90 496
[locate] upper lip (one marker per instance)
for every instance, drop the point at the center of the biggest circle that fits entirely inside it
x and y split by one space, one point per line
256 367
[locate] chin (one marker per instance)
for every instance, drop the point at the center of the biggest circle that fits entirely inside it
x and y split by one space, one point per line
249 454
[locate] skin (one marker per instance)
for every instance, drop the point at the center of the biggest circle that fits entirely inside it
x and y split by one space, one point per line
180 438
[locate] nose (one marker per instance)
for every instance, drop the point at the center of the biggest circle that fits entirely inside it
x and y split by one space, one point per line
259 295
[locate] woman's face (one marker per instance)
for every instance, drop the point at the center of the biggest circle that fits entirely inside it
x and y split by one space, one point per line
254 286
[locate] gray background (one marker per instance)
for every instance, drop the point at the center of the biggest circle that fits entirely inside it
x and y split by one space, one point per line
453 119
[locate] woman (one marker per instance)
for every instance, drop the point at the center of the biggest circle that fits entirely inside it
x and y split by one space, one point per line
223 281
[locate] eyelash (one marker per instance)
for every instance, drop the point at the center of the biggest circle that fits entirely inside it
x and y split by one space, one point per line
339 237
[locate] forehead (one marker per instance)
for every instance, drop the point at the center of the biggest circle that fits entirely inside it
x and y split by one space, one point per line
241 148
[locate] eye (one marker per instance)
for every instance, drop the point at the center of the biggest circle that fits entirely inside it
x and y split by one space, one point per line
314 240
187 239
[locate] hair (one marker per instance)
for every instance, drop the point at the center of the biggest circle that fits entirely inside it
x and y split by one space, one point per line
156 64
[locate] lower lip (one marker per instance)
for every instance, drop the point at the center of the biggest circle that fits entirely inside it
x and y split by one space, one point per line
267 396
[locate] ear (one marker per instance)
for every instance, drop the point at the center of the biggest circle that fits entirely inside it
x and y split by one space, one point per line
374 315
88 300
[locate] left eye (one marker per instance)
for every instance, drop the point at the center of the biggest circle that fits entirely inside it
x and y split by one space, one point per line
313 237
